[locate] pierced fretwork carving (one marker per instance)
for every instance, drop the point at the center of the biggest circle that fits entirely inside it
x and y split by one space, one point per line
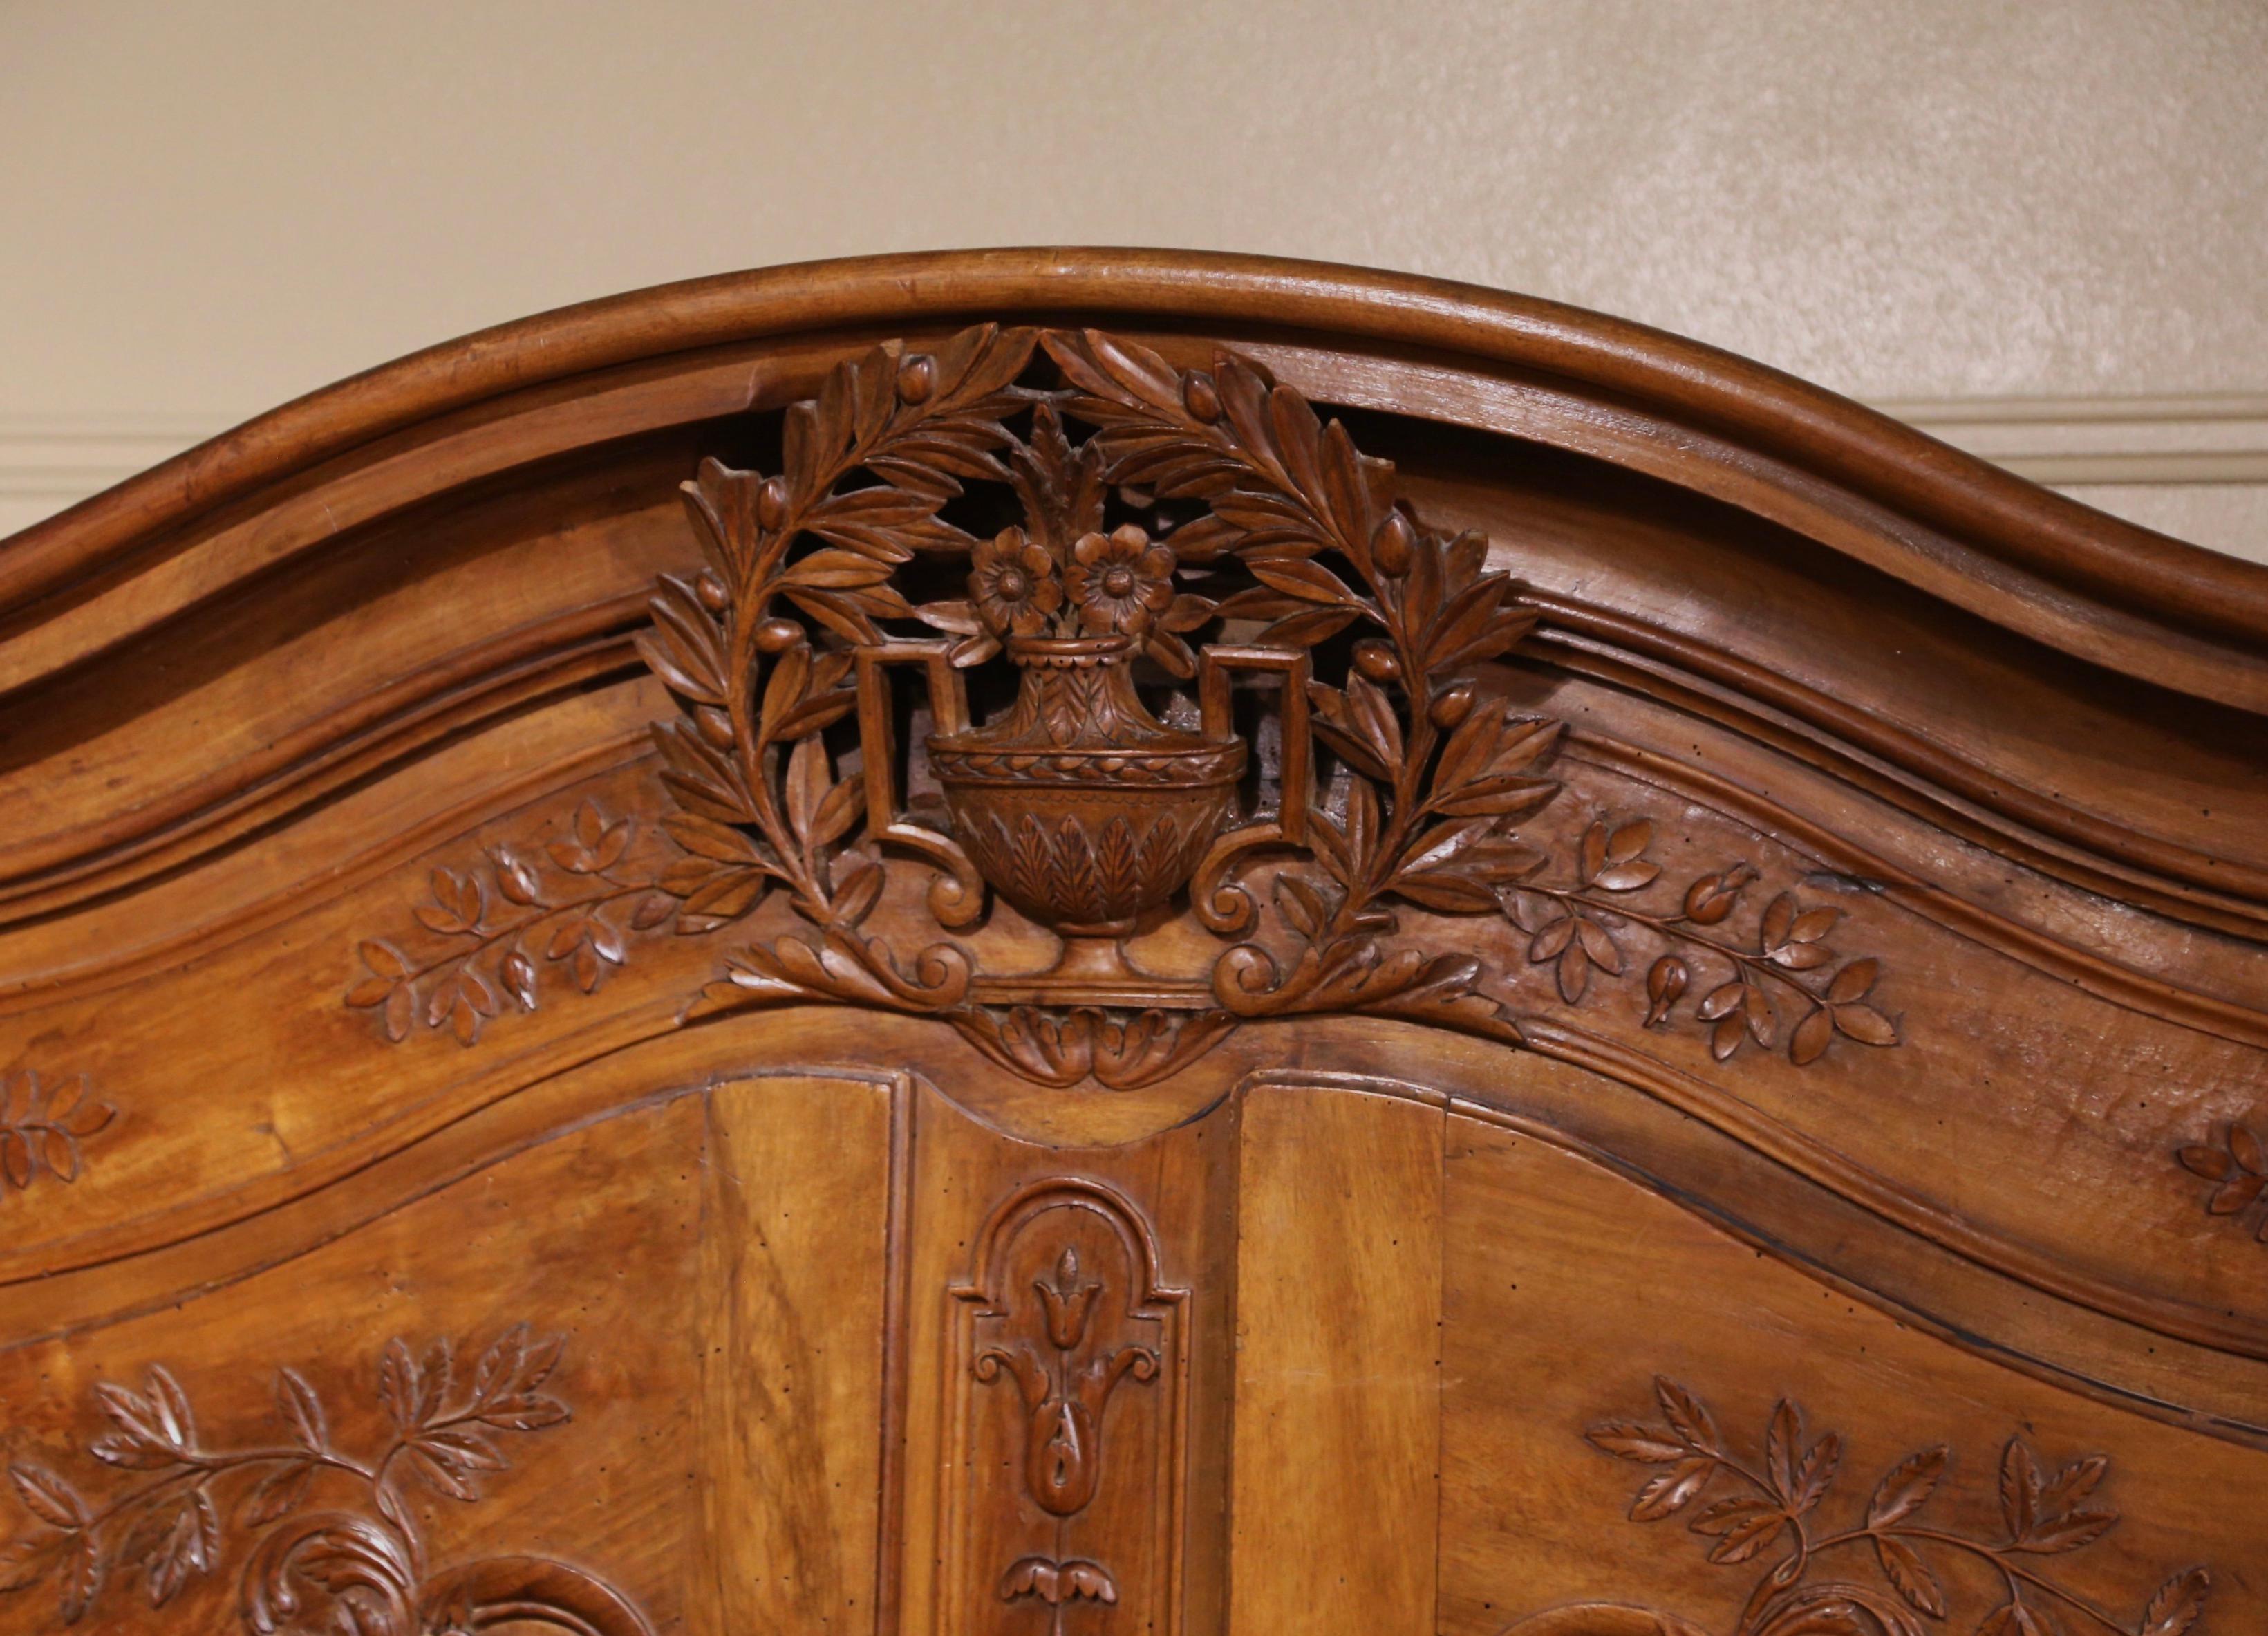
1209 523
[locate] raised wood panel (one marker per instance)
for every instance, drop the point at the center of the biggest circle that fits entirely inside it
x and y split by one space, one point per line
1338 1392
1568 1290
793 1317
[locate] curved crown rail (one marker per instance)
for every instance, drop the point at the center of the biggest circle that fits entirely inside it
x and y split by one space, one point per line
536 398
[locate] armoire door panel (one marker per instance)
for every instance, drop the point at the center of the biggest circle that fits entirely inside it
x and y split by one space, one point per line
634 1374
1640 1411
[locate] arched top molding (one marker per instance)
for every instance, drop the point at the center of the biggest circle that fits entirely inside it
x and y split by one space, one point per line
1856 482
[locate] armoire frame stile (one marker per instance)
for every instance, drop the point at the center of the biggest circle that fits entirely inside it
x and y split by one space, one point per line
1093 942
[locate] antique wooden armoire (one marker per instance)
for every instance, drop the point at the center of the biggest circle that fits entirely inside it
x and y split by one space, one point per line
1078 943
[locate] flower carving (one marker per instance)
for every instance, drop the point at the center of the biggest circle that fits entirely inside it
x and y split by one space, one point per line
1013 584
2237 1166
1120 581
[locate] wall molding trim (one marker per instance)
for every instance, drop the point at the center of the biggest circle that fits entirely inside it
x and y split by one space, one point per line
48 462
2179 440
68 457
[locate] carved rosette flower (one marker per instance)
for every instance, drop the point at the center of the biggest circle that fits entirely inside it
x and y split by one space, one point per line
1013 584
1120 581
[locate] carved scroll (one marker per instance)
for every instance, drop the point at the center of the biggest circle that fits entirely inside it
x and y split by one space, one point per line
1070 1390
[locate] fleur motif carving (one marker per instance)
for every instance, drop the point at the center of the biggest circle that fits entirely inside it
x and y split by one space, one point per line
568 905
1755 1506
2237 1167
1068 1313
338 1548
42 1128
1065 1394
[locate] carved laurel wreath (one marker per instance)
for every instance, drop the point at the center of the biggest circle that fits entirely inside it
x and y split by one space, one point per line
1252 536
1296 530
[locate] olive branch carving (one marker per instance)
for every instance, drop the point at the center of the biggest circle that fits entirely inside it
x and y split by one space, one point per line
759 803
570 904
1575 930
365 1555
1776 1501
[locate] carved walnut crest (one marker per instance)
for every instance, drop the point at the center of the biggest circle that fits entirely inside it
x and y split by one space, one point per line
1774 1502
337 1546
1203 522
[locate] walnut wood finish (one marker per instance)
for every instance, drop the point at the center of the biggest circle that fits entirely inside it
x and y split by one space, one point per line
1087 941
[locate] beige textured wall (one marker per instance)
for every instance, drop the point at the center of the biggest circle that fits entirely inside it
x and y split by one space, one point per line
2011 220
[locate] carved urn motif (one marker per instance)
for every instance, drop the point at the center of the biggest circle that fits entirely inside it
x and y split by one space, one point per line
1077 805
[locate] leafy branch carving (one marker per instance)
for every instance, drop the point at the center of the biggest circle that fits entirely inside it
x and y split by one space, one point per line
42 1129
760 807
1756 1506
2237 1167
570 905
1577 929
363 1557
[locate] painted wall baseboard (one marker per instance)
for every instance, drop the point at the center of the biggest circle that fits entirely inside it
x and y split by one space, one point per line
2194 465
